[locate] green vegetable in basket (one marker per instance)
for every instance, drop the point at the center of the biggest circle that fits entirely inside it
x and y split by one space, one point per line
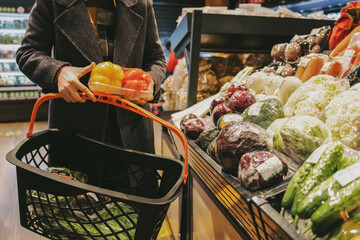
322 170
90 218
70 174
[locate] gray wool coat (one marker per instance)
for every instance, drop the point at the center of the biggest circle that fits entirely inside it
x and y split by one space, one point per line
64 27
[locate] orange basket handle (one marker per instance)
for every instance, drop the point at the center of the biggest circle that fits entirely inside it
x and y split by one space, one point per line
119 102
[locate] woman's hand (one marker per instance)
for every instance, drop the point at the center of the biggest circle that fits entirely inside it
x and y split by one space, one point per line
68 83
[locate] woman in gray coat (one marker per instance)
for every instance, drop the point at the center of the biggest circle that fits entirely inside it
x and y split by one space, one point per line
60 47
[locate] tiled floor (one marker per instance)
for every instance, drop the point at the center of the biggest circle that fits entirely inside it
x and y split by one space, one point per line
10 135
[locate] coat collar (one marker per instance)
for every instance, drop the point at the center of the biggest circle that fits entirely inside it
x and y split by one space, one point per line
69 3
75 25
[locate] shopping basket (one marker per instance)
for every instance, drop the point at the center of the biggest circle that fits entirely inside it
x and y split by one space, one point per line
127 194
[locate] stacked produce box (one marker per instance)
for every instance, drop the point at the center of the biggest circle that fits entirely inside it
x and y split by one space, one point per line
304 106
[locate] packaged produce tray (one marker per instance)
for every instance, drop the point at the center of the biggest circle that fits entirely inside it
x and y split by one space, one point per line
227 189
130 94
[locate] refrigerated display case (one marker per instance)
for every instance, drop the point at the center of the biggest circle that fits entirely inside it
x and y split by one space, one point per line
17 92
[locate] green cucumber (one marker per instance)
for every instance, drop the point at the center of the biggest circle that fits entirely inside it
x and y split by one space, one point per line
322 170
345 201
320 193
293 186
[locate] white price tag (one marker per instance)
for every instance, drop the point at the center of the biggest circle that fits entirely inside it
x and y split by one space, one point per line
255 109
315 31
250 82
315 156
347 175
349 54
270 168
303 62
280 83
279 69
325 67
268 81
270 132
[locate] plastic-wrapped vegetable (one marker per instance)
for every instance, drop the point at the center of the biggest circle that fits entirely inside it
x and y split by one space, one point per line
345 201
313 96
206 138
264 113
256 81
322 170
228 118
287 87
343 117
274 131
238 138
323 191
261 169
351 228
272 84
301 135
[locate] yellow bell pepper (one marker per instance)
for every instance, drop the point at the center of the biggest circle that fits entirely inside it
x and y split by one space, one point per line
107 73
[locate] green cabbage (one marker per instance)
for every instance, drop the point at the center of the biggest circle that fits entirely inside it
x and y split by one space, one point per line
301 135
263 113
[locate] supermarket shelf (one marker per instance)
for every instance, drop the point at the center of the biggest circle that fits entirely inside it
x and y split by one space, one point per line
10 30
9 46
11 73
7 60
14 15
199 32
19 88
20 110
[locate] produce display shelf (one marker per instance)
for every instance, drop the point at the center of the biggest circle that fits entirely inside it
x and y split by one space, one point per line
203 32
250 209
271 223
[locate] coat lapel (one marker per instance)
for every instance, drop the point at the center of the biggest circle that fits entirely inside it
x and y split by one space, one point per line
128 25
75 24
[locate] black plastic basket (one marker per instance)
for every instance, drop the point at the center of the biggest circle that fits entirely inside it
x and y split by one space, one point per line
127 195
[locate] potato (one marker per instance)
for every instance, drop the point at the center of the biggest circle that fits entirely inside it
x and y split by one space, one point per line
292 51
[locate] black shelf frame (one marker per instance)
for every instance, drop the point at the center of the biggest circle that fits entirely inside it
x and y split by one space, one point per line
204 32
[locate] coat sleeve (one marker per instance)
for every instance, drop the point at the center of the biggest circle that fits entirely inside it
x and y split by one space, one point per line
34 55
154 58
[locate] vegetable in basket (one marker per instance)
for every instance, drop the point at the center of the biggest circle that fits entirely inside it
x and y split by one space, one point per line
71 216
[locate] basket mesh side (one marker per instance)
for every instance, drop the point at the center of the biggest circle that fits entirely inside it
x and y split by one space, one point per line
80 217
131 179
58 210
38 157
